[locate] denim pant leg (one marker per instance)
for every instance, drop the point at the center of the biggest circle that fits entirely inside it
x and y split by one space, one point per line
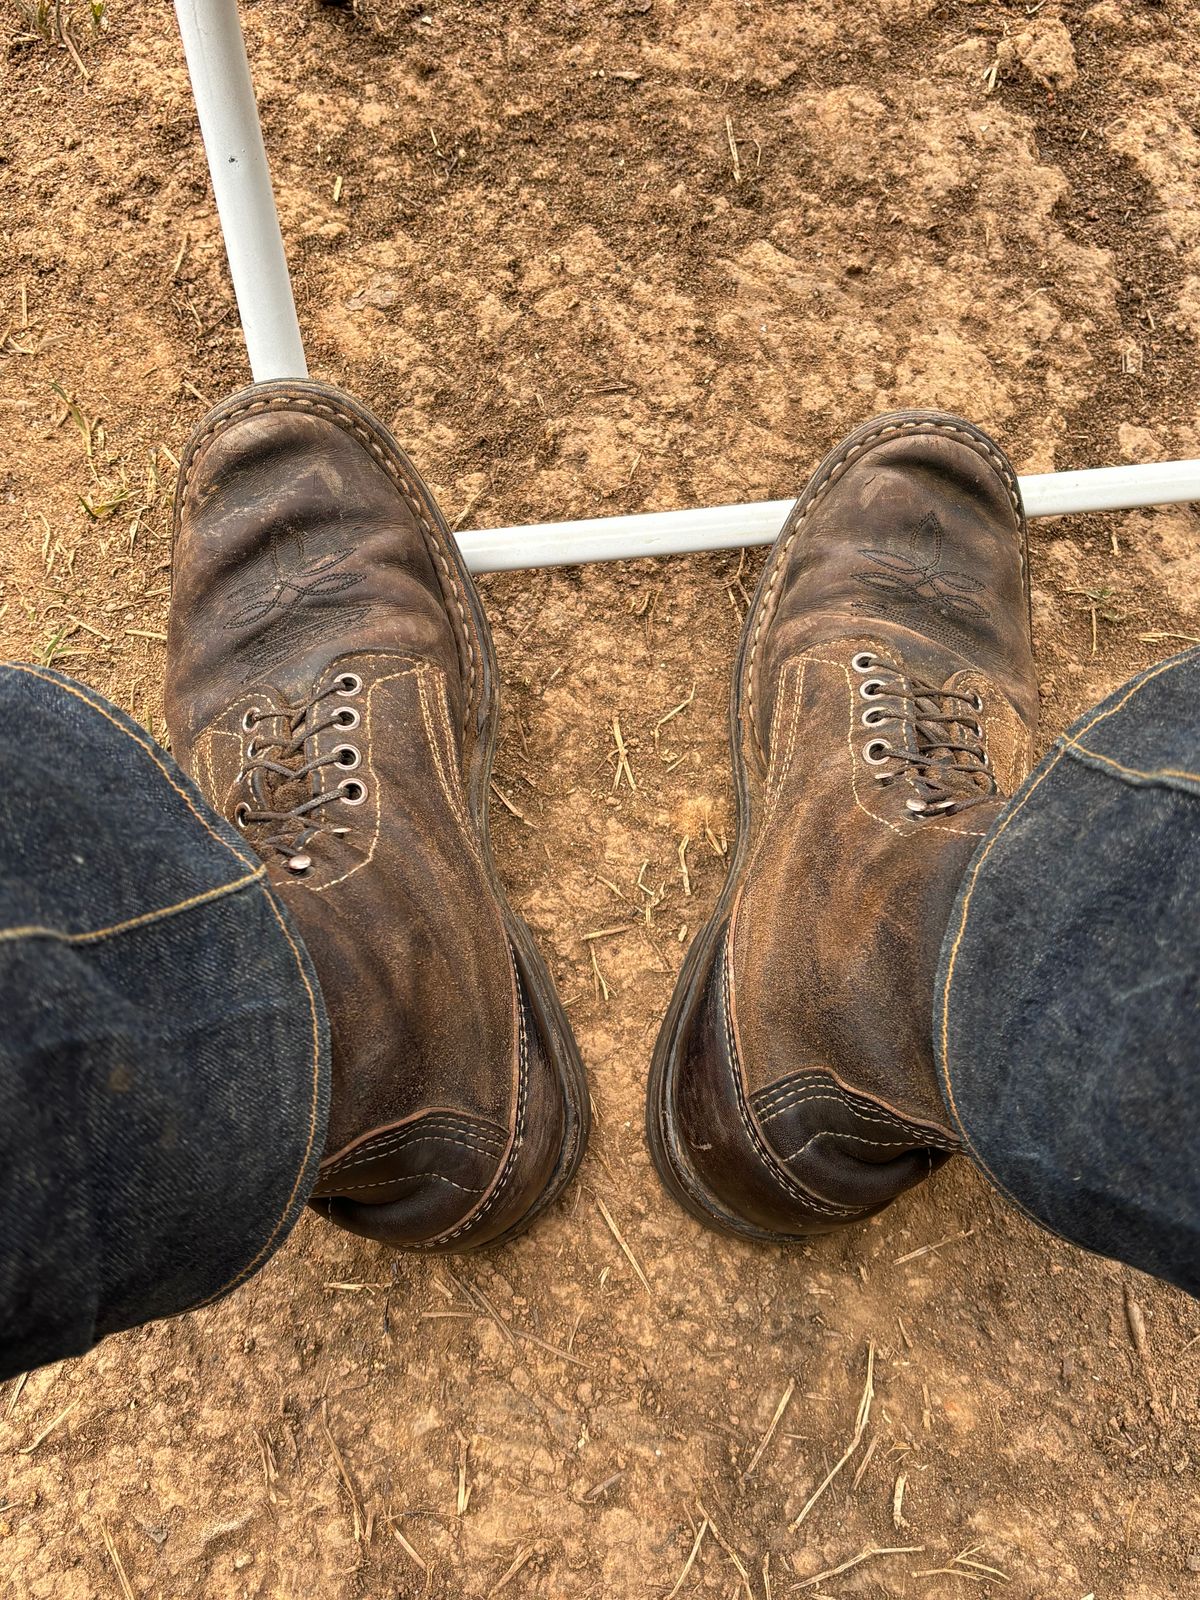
1067 1018
164 1051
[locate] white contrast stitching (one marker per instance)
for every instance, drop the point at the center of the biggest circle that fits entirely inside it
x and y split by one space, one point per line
836 471
409 493
783 1178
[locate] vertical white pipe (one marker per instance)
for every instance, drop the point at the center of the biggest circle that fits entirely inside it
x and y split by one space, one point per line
241 180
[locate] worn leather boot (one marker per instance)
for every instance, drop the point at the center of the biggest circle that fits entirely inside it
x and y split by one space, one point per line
884 704
332 688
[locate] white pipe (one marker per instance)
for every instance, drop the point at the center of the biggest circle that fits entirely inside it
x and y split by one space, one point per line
665 533
224 94
241 180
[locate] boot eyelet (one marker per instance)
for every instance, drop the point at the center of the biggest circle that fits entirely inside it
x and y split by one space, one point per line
299 864
876 752
864 661
977 702
347 683
348 756
250 719
873 716
346 717
241 813
872 688
252 750
353 792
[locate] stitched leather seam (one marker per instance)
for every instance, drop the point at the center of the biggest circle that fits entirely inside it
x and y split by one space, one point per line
773 1167
368 771
773 736
836 472
408 491
442 1122
854 1138
916 828
458 810
369 1153
917 1135
813 1076
387 1183
477 1217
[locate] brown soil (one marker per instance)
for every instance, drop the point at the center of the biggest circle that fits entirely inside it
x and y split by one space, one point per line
542 267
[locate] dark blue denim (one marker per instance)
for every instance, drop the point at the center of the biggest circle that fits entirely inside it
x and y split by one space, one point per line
1067 1019
164 1051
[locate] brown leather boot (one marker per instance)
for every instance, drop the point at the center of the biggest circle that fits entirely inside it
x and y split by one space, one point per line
885 701
332 688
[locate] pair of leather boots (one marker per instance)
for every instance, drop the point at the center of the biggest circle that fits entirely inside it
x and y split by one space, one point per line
332 689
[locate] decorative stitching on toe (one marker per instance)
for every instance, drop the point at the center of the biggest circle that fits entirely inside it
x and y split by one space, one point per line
410 493
837 469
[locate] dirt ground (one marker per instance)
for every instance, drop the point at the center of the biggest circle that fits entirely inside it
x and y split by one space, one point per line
589 257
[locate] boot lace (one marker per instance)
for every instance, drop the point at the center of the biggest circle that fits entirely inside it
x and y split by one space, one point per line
943 753
276 757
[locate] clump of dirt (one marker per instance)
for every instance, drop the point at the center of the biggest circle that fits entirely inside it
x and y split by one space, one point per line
590 258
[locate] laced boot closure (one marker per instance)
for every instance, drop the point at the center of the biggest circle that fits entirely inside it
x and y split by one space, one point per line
884 704
932 736
277 759
332 688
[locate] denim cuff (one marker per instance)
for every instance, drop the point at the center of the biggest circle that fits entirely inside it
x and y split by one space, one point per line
1067 1011
164 1054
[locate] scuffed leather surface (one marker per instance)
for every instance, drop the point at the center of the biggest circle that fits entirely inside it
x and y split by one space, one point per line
303 552
805 1090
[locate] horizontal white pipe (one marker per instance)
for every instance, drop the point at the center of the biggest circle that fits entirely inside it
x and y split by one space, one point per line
666 533
241 180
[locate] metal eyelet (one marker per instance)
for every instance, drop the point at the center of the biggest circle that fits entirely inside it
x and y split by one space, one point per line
252 751
873 716
872 688
977 701
346 717
347 755
347 683
353 792
241 813
880 745
864 661
299 864
250 719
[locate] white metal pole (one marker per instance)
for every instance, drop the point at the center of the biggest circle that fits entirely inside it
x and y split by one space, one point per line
224 94
664 533
241 180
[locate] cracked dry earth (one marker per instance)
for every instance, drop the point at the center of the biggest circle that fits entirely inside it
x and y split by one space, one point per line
518 231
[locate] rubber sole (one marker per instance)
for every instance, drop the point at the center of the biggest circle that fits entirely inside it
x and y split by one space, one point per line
672 1162
535 976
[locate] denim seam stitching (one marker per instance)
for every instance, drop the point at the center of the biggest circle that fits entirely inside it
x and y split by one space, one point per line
944 1064
314 1011
145 920
143 744
1158 775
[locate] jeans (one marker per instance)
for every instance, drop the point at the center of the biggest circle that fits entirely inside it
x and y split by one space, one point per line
164 1052
1067 1019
